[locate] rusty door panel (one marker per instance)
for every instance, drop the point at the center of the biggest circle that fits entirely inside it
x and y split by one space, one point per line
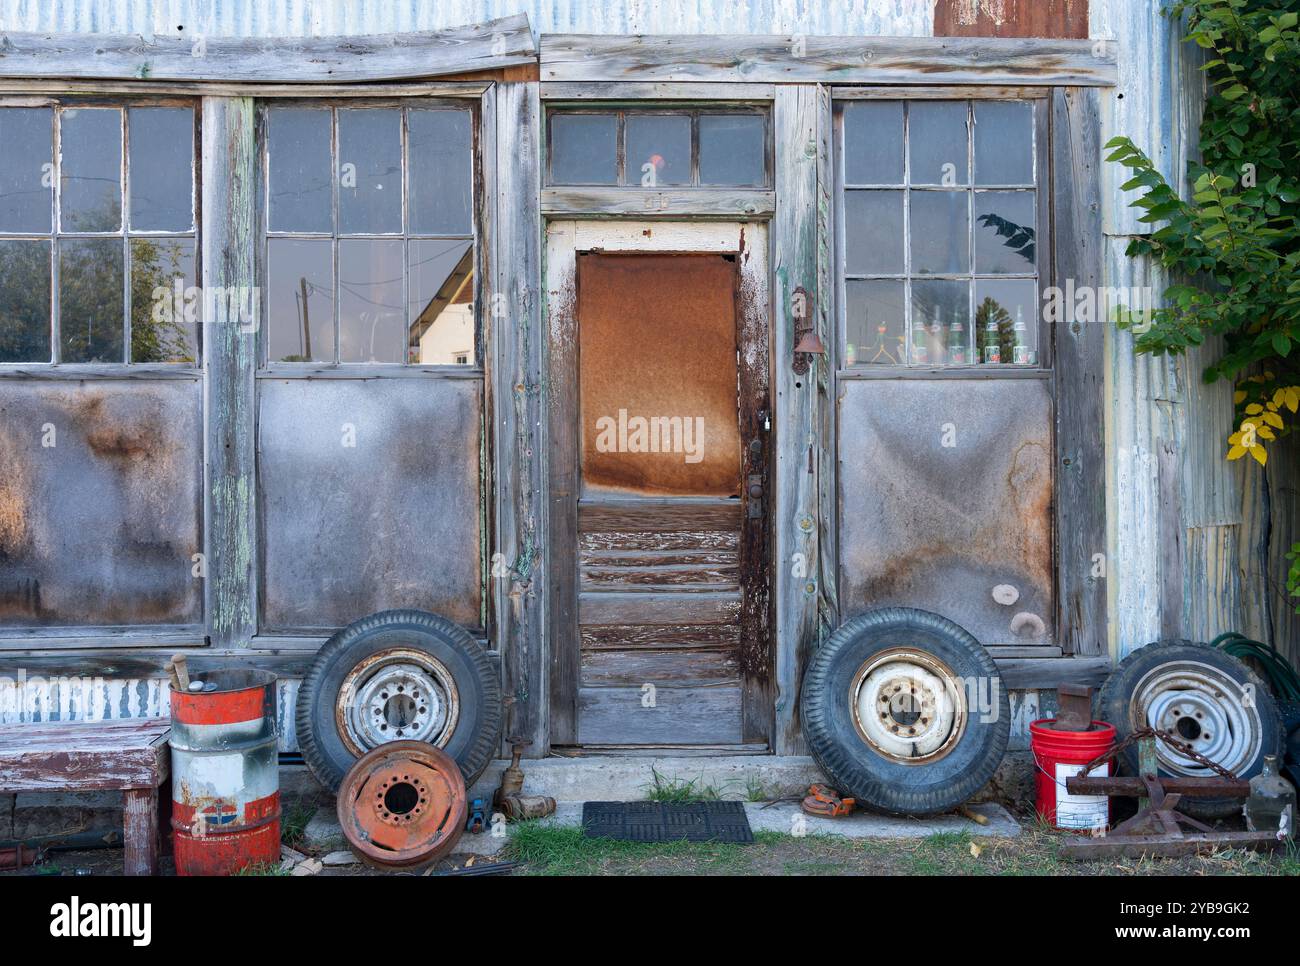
100 496
964 530
649 352
390 521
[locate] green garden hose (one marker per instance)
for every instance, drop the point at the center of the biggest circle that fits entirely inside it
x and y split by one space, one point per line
1281 676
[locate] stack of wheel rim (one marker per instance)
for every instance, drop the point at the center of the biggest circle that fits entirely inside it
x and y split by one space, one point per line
411 699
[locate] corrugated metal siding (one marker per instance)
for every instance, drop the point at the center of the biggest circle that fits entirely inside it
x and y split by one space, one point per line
261 18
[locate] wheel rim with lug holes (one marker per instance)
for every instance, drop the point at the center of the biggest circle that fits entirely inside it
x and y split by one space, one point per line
1203 707
908 705
398 694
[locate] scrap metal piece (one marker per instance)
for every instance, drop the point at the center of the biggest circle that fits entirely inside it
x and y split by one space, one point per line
1075 708
402 805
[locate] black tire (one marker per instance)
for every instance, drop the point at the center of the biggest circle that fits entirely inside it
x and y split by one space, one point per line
1115 705
472 742
861 771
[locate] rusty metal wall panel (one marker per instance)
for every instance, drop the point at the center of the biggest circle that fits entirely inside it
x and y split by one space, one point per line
391 521
1011 18
949 528
99 503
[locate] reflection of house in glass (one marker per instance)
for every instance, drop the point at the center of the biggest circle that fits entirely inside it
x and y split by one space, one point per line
443 332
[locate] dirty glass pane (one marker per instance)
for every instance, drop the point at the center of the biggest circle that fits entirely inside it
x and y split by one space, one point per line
441 326
161 170
873 142
298 152
874 335
26 168
733 149
90 195
1004 231
940 323
1006 321
370 171
91 296
658 149
166 309
1004 142
441 181
24 301
940 243
584 149
873 232
371 314
300 300
936 137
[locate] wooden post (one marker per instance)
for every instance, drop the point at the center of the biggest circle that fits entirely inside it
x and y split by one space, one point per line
140 831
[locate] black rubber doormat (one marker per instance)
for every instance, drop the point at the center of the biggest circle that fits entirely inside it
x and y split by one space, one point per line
667 821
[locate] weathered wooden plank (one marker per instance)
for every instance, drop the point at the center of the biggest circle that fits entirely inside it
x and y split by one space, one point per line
658 516
703 715
644 558
677 667
44 90
377 57
663 576
628 92
1080 375
840 60
662 636
229 242
140 831
85 757
633 541
938 93
659 608
592 202
1033 674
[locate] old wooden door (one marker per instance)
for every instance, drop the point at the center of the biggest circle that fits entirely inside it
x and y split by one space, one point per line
669 434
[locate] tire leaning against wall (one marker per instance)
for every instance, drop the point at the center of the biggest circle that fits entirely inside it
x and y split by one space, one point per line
857 663
439 651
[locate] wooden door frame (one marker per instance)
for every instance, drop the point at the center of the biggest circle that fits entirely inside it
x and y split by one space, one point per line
748 241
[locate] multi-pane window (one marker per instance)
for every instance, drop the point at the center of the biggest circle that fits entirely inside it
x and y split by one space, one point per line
370 235
97 234
940 229
659 149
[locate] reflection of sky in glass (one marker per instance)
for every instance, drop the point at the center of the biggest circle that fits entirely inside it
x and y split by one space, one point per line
370 171
295 335
298 162
584 149
663 142
160 169
441 177
26 146
1004 142
1004 232
370 300
90 193
873 142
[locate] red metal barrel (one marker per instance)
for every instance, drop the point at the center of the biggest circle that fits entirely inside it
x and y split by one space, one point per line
1059 755
225 774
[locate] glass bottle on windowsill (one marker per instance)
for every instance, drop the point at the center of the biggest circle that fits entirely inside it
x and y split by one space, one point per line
920 344
992 343
1022 354
957 354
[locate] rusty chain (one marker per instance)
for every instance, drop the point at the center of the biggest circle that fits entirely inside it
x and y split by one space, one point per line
1177 744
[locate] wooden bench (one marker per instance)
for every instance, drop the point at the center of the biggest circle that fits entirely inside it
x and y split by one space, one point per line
128 756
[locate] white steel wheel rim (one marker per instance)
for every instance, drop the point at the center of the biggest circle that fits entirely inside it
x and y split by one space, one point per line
1204 708
400 694
908 706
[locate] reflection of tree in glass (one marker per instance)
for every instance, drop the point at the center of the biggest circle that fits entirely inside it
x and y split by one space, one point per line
991 310
24 302
1019 238
156 264
90 299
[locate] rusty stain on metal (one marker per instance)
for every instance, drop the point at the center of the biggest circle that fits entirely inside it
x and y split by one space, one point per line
1011 18
402 804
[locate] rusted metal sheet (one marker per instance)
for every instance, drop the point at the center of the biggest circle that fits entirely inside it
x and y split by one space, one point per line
369 499
657 368
99 503
945 502
1011 18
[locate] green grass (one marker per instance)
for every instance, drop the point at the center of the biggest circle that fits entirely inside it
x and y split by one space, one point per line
679 790
263 869
293 822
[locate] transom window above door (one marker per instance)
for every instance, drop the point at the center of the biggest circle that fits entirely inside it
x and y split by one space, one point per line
941 223
658 148
370 235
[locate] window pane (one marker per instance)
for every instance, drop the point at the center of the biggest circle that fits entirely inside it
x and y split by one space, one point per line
90 300
584 149
24 301
939 235
874 335
90 195
1004 142
658 149
161 143
371 314
940 323
442 303
873 232
936 135
26 152
440 154
300 300
298 149
873 142
733 149
1006 321
1004 231
166 309
370 172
